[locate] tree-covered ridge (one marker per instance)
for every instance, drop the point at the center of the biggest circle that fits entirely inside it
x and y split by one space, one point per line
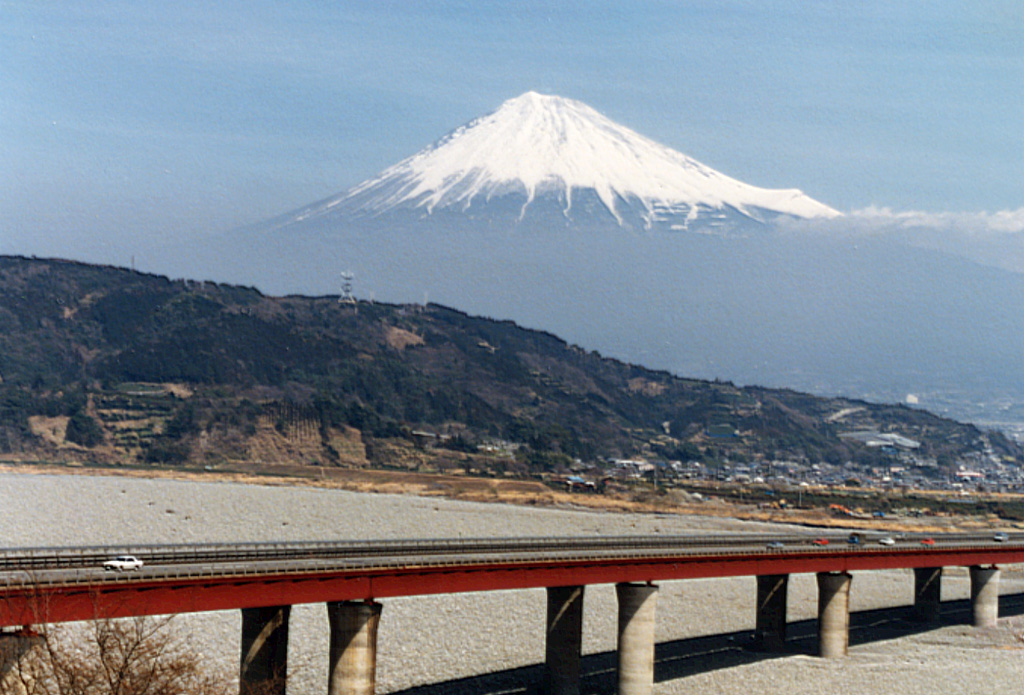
127 366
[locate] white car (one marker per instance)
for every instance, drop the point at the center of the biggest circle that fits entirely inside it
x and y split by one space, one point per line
123 563
886 540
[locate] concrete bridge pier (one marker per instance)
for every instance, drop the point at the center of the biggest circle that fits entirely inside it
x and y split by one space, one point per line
985 595
927 594
564 640
352 669
833 614
264 664
637 604
770 629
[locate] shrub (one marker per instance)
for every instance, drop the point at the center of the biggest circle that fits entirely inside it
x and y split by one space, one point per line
135 656
83 429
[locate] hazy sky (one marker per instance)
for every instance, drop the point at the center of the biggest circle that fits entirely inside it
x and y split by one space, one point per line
175 118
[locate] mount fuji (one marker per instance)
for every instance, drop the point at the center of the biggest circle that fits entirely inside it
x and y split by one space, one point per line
549 214
551 159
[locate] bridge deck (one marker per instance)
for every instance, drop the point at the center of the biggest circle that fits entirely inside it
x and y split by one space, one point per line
56 585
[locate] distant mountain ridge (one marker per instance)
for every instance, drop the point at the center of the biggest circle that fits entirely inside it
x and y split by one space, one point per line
537 146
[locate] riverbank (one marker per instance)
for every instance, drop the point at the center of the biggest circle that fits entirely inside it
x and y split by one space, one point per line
641 499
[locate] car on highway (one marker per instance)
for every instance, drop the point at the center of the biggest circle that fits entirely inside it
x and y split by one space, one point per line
123 563
886 540
854 539
1001 537
820 541
775 545
927 541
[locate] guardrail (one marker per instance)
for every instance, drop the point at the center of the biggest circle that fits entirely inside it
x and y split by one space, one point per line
52 558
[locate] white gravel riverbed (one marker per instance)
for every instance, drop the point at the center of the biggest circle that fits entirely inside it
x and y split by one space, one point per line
441 644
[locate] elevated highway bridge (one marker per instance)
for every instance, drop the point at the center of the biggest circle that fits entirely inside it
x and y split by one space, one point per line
263 580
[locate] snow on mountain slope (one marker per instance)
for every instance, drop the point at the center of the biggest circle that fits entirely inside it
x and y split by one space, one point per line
537 144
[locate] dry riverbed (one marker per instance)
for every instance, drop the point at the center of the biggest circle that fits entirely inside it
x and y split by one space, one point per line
492 642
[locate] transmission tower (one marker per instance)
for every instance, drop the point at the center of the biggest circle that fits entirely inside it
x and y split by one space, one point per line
346 296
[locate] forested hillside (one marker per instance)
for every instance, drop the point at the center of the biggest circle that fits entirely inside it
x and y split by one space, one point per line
114 366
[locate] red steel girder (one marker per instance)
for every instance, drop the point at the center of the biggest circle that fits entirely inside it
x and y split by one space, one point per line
61 603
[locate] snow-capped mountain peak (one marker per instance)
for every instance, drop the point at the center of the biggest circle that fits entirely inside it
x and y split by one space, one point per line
538 144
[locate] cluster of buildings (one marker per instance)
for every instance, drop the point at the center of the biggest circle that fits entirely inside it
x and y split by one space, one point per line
900 463
902 466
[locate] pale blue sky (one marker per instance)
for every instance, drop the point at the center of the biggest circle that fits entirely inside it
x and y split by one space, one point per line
178 118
